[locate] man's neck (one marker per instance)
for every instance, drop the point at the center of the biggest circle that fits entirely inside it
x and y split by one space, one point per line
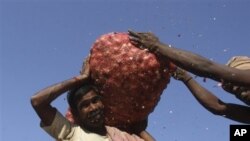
100 131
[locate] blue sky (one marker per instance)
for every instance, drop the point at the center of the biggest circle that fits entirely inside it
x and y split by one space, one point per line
45 41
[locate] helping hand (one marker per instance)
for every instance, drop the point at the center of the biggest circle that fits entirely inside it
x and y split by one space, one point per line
181 75
143 40
85 67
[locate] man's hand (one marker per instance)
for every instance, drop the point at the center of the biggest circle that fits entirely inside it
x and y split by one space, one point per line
143 40
181 75
239 91
85 67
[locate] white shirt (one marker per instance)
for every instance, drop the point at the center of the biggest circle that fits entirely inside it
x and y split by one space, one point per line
62 129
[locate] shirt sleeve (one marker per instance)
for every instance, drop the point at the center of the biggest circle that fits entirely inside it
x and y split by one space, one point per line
60 128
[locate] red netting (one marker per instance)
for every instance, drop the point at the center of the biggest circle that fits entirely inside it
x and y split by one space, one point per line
131 80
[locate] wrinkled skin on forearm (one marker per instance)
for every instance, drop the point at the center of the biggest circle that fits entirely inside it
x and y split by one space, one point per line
41 101
191 62
211 102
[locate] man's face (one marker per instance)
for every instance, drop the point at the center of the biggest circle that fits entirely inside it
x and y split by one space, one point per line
242 93
90 111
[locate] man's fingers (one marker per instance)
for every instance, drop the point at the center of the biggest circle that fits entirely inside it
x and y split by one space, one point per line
132 33
178 73
133 39
86 61
85 65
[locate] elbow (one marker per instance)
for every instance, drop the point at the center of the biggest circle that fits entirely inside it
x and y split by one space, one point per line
218 110
34 101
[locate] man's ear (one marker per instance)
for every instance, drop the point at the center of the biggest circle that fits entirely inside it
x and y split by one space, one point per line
74 116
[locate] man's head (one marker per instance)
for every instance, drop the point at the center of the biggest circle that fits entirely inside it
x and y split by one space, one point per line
87 107
243 93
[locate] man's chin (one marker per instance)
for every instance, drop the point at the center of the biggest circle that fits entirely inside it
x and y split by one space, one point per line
95 126
96 123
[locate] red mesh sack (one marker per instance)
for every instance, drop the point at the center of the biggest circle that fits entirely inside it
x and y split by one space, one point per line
131 80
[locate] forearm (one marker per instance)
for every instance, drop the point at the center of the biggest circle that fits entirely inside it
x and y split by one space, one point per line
202 66
47 95
212 103
216 106
41 100
206 98
238 113
189 61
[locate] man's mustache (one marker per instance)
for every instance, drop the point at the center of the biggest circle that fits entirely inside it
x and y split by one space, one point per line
95 113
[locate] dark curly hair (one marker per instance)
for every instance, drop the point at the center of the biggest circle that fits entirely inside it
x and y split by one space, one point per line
75 94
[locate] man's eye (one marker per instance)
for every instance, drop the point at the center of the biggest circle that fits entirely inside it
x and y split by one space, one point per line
84 105
96 99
